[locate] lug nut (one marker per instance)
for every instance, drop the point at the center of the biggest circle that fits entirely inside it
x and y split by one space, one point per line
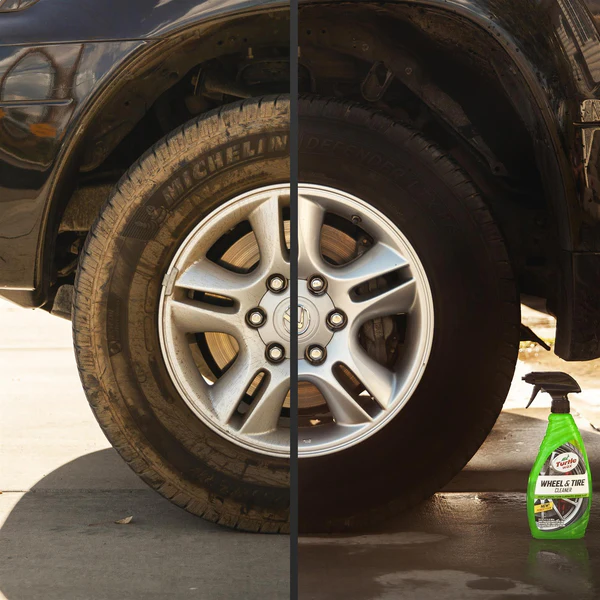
315 354
336 320
275 353
277 283
317 285
256 317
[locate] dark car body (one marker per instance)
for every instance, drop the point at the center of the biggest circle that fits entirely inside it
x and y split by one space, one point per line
76 76
61 62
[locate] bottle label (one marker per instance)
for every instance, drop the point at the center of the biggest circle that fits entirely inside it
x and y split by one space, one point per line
562 489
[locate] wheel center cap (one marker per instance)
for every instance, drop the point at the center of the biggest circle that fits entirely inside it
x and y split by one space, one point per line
303 319
309 319
312 313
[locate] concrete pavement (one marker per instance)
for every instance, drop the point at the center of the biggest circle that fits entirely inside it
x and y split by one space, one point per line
469 542
63 487
454 547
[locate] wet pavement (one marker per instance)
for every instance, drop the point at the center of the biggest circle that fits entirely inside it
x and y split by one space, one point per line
456 546
472 541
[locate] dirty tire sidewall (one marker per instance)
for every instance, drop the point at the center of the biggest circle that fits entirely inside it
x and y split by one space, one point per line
175 185
433 203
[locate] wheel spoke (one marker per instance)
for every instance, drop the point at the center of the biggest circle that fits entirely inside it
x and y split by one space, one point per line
377 379
266 409
206 276
395 301
190 316
181 349
569 501
227 393
376 262
266 221
310 222
342 405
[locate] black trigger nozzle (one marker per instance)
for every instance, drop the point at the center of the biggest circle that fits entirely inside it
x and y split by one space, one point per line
536 391
558 385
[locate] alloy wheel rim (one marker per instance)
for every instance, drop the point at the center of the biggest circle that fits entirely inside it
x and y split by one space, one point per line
385 279
346 391
203 295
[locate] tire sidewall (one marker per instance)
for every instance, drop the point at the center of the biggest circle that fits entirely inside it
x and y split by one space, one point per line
155 207
461 392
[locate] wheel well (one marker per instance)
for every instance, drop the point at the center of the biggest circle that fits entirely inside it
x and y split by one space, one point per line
444 77
181 78
441 75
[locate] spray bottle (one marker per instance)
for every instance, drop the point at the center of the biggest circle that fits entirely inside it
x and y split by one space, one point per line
559 492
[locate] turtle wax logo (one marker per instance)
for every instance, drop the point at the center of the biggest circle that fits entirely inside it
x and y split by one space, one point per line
565 462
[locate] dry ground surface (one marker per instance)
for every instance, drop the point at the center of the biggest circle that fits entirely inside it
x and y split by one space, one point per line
63 488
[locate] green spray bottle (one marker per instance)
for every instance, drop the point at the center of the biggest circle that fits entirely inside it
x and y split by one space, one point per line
559 493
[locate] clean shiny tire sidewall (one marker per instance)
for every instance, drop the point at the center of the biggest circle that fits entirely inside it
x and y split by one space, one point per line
475 319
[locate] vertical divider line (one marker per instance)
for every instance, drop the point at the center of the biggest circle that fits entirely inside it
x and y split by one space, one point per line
294 139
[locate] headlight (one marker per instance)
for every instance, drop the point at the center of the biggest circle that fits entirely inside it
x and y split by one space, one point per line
11 5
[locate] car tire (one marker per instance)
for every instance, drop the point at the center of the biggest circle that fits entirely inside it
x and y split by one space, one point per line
176 185
426 196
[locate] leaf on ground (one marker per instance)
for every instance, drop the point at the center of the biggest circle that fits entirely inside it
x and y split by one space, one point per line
124 521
